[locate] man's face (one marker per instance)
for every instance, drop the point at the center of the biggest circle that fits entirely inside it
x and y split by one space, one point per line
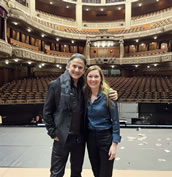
76 68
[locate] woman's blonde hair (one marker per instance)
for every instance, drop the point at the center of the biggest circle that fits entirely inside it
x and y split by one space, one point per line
104 86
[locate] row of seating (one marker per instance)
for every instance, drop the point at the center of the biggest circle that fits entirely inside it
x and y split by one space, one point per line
22 44
132 89
147 53
162 23
57 53
152 14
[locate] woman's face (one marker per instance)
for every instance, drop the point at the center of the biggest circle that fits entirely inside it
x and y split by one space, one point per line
94 79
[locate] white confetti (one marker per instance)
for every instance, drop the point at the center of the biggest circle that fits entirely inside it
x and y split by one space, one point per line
122 147
117 158
166 150
141 134
158 144
130 138
143 138
140 144
168 139
161 160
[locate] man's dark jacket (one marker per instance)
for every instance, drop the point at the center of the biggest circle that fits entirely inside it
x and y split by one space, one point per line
57 111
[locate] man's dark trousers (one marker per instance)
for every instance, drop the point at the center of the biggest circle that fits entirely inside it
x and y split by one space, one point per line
75 146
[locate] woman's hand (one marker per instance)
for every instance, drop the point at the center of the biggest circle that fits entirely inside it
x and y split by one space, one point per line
112 151
113 94
56 138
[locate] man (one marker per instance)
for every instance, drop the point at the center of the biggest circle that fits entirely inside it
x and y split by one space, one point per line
64 118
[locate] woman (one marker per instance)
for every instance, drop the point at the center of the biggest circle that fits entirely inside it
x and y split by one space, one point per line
103 123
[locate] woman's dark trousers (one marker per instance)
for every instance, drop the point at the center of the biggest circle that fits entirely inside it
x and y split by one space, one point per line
98 144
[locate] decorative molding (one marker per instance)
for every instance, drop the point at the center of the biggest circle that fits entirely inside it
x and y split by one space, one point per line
148 59
40 57
166 58
4 5
5 48
37 56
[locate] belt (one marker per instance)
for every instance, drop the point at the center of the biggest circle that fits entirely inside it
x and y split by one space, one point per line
100 131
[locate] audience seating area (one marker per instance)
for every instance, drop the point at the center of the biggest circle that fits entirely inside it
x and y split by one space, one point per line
148 89
25 91
122 30
143 89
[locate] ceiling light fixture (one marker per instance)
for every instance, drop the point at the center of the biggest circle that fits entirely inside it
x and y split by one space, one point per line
6 62
59 66
103 44
29 30
15 23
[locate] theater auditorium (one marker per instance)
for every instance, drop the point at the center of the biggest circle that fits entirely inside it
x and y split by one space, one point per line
131 40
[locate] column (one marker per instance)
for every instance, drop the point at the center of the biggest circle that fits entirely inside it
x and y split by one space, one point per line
11 3
103 1
121 42
88 49
79 14
128 14
31 4
5 28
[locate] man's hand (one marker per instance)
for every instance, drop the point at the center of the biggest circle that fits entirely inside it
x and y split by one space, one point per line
113 94
56 139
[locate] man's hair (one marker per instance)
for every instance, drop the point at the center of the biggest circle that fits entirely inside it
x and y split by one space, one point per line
79 56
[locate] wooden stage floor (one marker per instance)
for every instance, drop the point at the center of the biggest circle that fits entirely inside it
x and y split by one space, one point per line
44 172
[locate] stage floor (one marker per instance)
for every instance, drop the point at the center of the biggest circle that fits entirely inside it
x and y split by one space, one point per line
26 152
40 172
